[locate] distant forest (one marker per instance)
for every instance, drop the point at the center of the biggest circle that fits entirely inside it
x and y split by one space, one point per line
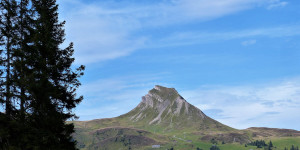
38 83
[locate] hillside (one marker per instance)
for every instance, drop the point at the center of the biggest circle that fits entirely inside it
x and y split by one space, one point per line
272 132
165 118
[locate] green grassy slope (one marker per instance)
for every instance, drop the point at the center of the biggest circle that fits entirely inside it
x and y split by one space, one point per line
163 117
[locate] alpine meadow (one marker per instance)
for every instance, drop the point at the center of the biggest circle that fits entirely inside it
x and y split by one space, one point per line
149 75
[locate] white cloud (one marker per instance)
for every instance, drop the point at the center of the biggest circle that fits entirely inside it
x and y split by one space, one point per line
99 38
248 42
276 4
272 105
105 30
204 9
196 37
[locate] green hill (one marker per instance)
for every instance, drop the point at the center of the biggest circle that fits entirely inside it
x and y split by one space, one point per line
165 118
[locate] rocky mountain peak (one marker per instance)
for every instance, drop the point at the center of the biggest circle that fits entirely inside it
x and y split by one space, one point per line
162 95
165 104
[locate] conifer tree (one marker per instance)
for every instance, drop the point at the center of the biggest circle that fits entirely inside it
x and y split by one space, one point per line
50 81
214 147
9 127
38 77
270 144
2 43
8 41
24 29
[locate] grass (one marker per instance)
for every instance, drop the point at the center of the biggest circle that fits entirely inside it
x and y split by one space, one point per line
279 144
180 136
182 131
283 142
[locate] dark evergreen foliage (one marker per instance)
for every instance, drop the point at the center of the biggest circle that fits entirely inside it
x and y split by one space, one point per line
38 77
214 147
270 144
8 32
294 148
262 144
214 141
9 126
24 30
258 143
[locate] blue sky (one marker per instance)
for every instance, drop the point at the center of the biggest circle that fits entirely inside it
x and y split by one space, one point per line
236 60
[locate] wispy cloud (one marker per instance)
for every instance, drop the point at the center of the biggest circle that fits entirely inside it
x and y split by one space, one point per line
198 37
114 96
105 30
276 4
272 105
248 42
96 37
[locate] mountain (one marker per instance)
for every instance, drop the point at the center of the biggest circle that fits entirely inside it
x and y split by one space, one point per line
163 117
164 107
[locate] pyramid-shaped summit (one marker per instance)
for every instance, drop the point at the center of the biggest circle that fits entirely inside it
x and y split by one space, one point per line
165 107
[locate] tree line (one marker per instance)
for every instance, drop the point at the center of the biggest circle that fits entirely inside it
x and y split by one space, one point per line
38 82
292 148
269 146
258 143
